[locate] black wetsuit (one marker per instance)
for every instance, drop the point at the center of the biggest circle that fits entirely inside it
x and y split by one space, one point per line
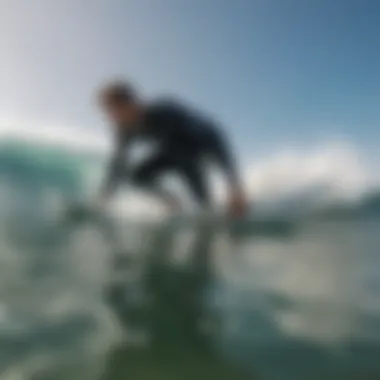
184 139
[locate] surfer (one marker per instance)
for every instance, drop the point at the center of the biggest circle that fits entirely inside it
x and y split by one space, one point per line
184 140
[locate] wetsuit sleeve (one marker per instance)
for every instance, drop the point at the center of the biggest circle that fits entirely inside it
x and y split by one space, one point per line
116 168
224 158
206 129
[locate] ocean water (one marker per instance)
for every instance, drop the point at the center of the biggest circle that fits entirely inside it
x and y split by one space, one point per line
292 294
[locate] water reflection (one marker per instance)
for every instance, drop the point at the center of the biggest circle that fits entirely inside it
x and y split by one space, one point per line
176 330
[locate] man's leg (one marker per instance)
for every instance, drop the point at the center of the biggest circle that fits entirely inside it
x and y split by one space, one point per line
146 175
194 174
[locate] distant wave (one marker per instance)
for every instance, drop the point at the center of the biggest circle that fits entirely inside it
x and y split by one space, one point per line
368 206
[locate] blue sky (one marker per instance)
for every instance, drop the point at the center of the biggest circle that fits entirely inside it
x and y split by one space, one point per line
274 72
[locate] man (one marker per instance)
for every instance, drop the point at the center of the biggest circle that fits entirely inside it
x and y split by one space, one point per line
184 141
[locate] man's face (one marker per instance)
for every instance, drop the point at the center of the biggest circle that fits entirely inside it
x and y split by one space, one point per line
120 113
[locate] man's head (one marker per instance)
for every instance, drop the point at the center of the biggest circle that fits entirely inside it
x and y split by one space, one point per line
121 103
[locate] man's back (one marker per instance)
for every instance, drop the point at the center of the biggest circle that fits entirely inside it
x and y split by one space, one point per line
172 125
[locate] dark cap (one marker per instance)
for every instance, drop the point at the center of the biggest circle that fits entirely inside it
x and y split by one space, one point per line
118 92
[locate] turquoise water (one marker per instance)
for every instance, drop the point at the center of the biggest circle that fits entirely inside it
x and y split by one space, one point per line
88 300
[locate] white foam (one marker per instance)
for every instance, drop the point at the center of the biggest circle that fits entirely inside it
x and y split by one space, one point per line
336 167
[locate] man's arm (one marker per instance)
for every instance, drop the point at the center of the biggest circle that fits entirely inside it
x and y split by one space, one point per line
226 161
115 169
175 114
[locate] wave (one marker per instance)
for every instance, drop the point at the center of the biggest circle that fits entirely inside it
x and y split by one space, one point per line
40 166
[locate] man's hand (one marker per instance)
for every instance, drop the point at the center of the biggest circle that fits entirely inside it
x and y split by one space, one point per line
238 205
